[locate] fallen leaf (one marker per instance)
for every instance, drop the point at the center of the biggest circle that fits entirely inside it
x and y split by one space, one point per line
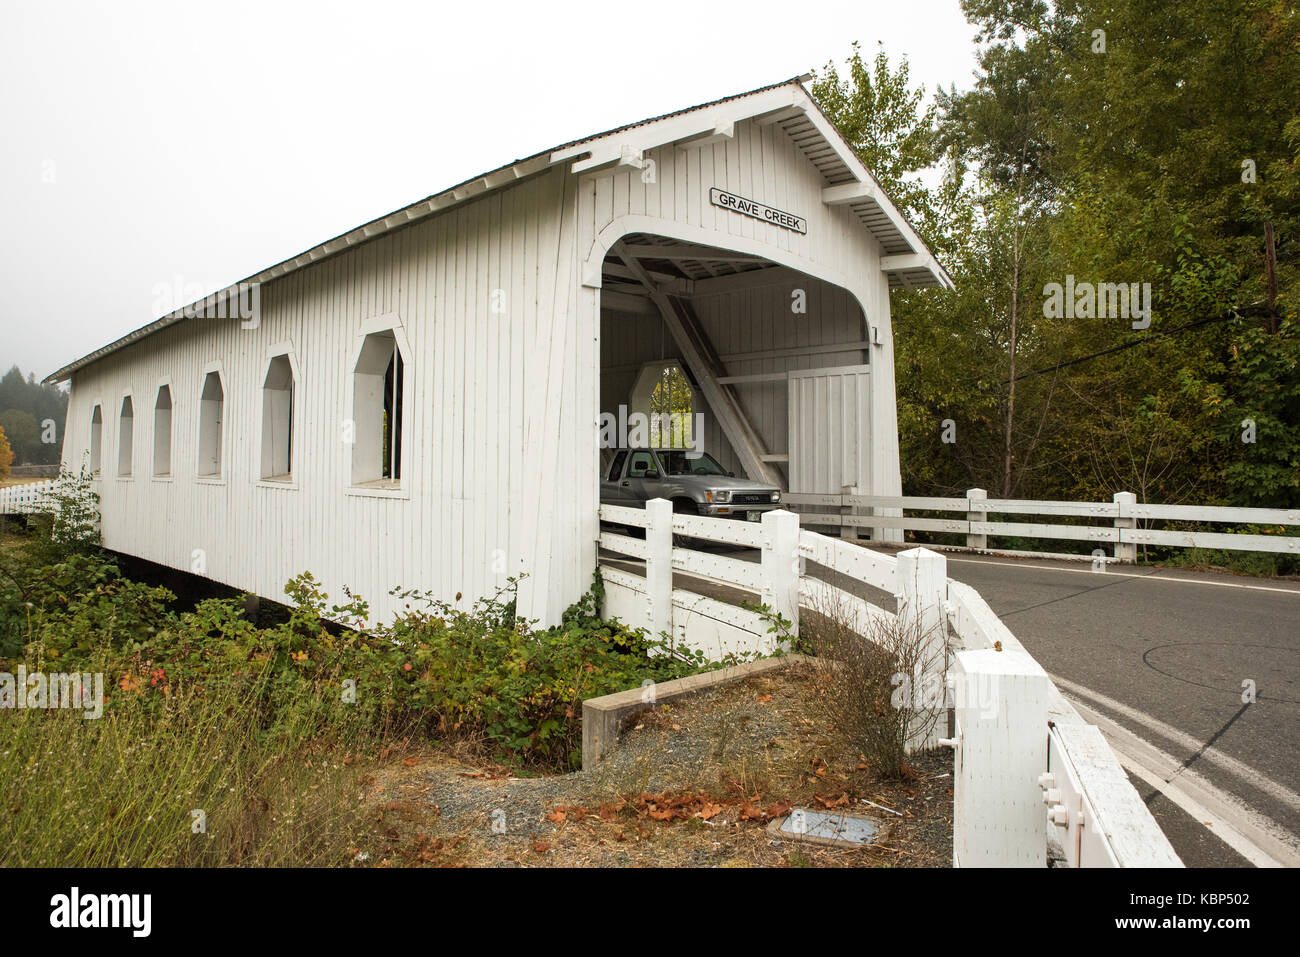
841 801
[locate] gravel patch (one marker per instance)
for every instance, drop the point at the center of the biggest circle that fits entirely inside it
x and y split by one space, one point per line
693 783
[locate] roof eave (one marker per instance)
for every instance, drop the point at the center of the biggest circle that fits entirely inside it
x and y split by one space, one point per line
622 145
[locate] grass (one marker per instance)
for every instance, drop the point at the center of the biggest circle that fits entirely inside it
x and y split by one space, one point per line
124 789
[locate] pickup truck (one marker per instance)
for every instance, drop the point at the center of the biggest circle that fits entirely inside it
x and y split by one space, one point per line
693 481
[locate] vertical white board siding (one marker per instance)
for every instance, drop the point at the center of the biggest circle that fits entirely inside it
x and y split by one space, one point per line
464 448
503 347
830 429
560 540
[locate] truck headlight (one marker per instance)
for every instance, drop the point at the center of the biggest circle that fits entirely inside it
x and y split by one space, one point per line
719 496
776 496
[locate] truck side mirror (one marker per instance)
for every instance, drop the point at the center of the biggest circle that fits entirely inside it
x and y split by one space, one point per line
732 474
651 476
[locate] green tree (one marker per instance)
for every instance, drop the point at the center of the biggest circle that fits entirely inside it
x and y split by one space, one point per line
46 404
671 406
882 117
23 432
1109 141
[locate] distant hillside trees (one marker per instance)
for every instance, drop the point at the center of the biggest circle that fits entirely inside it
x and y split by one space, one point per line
32 417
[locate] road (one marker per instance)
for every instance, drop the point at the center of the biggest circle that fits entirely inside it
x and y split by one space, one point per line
1159 659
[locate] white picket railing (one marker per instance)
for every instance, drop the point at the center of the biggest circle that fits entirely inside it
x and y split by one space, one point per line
23 499
1120 520
1028 772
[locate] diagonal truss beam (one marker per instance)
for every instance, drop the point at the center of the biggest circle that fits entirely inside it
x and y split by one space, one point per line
686 330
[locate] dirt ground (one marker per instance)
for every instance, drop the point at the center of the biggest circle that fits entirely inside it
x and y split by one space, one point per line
692 784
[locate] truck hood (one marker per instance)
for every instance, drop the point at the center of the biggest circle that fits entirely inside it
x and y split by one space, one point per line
722 482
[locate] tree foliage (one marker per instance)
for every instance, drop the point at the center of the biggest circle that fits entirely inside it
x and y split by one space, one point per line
1109 142
31 413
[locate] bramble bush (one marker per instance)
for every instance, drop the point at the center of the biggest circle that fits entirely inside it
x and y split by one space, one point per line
490 671
480 672
437 670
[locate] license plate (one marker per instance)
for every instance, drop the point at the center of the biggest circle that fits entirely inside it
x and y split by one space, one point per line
754 516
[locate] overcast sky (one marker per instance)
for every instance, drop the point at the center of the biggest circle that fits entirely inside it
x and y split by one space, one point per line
165 144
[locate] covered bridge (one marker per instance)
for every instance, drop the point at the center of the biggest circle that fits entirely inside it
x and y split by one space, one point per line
417 402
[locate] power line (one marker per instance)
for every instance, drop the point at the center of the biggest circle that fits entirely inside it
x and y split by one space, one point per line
1146 340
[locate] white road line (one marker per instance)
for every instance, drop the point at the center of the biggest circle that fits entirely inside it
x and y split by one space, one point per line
1151 578
1243 772
1259 839
1219 827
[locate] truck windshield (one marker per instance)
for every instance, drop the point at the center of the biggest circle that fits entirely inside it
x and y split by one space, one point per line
684 463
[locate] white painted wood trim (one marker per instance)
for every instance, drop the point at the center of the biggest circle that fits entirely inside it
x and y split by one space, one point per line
847 193
117 432
284 348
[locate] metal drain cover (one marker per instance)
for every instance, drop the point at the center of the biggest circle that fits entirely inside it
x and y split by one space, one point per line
818 827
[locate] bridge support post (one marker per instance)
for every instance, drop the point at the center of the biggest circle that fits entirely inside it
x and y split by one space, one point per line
973 497
1001 741
847 532
1125 551
922 591
782 565
659 566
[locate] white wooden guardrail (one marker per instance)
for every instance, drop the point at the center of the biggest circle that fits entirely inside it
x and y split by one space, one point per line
1119 519
1028 773
698 621
1011 723
23 499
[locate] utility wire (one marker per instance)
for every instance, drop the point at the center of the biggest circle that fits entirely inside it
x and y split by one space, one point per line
1127 345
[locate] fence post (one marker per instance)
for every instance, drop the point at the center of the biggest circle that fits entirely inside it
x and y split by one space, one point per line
922 591
1001 707
782 565
848 532
659 565
972 540
1125 551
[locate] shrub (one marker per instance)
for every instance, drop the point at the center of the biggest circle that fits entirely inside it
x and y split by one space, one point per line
481 672
487 671
869 668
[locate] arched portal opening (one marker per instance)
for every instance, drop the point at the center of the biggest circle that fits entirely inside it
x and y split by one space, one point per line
764 368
